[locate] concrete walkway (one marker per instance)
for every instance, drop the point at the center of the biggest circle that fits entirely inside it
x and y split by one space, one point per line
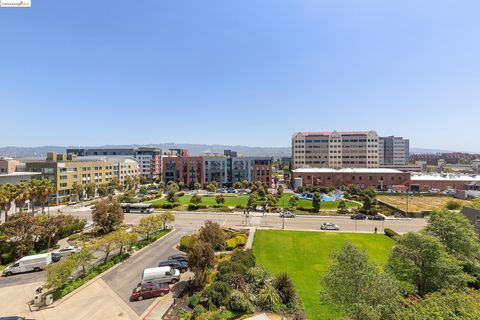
251 237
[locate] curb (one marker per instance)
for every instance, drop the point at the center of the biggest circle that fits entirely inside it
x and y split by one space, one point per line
91 281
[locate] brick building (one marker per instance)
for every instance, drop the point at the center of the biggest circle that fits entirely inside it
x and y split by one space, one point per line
188 170
378 178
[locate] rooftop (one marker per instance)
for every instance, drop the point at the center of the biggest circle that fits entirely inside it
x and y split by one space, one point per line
346 170
328 133
445 177
19 174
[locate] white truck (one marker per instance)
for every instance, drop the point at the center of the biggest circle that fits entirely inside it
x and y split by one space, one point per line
36 262
161 275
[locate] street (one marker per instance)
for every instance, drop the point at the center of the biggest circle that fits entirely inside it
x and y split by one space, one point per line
125 277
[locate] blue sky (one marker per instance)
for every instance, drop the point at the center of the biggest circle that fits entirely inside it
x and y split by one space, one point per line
239 72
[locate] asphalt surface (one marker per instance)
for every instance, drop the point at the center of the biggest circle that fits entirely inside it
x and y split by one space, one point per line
125 277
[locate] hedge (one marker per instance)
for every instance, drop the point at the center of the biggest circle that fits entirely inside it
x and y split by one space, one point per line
390 233
237 241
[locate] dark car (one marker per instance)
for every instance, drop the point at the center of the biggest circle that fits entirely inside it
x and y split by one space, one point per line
376 217
181 265
149 290
178 256
358 216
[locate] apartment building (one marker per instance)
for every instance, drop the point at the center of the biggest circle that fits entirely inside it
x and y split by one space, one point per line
393 151
188 170
149 158
335 150
66 169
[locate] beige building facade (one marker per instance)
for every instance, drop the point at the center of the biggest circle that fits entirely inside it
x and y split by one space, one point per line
335 150
8 165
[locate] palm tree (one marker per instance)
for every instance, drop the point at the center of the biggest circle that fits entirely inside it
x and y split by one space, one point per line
21 196
45 189
8 195
32 192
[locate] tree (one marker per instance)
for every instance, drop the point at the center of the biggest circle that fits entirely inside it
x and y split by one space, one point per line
58 274
251 201
21 196
7 196
172 192
475 203
106 244
279 192
149 224
197 186
211 187
107 214
143 190
21 231
422 261
90 189
167 217
444 304
316 202
114 185
458 235
270 202
245 183
83 258
357 286
220 199
212 234
201 257
142 179
276 179
102 190
77 190
181 185
45 189
342 206
292 202
238 185
128 183
33 192
196 199
367 204
122 239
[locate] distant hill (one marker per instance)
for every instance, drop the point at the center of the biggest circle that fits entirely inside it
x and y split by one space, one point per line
195 149
426 150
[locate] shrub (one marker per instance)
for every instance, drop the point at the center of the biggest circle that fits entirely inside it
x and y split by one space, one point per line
180 194
194 300
453 205
196 206
239 240
6 257
217 293
268 298
390 233
257 277
238 302
169 205
185 243
247 258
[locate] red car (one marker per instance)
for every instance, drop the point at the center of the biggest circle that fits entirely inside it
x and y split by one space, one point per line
150 290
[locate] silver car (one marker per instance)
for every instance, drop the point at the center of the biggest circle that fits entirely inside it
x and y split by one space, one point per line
329 226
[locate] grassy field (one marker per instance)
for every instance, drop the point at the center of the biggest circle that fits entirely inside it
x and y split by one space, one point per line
305 256
235 200
417 203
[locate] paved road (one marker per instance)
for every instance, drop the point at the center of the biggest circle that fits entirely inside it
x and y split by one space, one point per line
124 278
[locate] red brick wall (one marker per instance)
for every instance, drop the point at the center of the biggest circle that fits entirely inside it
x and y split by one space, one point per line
178 162
262 173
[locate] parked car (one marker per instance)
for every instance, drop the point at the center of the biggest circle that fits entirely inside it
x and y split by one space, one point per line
358 216
377 217
181 265
149 290
329 226
178 256
58 254
231 190
161 275
36 262
88 225
13 318
287 214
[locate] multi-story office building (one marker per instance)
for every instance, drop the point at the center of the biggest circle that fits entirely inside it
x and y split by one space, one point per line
188 170
65 170
149 158
393 151
335 150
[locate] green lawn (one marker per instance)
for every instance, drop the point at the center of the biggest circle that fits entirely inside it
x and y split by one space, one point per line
234 200
305 256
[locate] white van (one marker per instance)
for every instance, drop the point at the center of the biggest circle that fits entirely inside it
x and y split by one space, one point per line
161 275
36 262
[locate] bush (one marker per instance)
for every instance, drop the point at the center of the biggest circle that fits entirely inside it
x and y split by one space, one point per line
194 300
196 206
390 233
217 293
180 194
169 205
238 302
6 257
184 243
247 258
237 241
453 205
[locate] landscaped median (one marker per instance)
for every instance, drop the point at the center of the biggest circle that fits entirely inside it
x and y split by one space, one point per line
71 273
